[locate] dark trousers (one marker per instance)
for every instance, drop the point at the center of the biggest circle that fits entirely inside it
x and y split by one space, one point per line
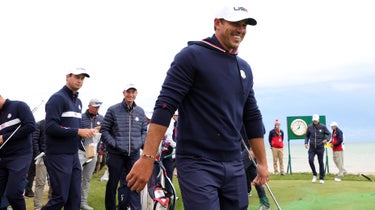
319 151
211 185
13 172
65 172
118 167
30 178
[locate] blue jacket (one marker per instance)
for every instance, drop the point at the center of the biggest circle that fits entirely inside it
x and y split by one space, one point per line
90 121
12 115
63 119
124 129
213 91
316 134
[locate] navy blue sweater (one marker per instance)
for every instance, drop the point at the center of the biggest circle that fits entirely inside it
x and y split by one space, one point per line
12 115
213 91
63 119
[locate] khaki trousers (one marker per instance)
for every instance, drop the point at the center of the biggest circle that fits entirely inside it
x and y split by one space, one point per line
278 155
338 158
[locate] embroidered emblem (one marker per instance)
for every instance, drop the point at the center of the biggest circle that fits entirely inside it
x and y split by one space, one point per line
243 74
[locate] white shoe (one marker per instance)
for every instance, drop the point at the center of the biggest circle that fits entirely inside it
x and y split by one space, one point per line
86 207
321 181
104 179
313 179
337 180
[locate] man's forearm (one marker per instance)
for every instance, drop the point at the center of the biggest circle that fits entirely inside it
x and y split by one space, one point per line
153 139
257 145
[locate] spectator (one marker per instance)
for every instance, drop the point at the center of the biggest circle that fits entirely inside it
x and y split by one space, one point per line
276 139
337 144
93 120
123 131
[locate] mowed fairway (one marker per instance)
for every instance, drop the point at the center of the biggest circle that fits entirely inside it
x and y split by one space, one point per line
302 194
291 191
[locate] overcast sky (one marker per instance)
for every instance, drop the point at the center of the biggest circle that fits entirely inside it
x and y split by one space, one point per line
297 43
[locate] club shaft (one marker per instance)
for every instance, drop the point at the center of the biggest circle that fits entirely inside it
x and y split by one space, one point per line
256 165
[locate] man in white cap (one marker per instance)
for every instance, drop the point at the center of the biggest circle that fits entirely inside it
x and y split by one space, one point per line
87 153
212 87
317 135
63 133
337 144
123 131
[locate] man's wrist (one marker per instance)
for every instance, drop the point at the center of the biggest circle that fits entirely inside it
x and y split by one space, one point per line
147 156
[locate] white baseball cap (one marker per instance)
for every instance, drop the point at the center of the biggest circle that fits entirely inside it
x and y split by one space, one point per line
235 13
315 117
334 124
78 71
95 102
130 86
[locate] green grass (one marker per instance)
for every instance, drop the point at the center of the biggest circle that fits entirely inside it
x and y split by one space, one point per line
291 191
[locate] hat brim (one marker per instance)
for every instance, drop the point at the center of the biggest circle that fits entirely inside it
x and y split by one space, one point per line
251 21
85 74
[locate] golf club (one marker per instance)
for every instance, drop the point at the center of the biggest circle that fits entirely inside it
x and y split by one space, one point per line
268 187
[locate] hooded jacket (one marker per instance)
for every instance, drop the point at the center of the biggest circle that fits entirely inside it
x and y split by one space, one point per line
213 91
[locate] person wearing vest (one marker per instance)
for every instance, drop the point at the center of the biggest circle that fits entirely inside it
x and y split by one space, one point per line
337 143
87 157
276 139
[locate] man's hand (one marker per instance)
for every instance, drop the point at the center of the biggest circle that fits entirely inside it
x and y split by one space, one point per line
142 168
1 139
257 146
86 133
306 146
262 175
140 174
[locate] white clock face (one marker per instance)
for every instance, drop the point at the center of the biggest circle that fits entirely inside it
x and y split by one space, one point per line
298 127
